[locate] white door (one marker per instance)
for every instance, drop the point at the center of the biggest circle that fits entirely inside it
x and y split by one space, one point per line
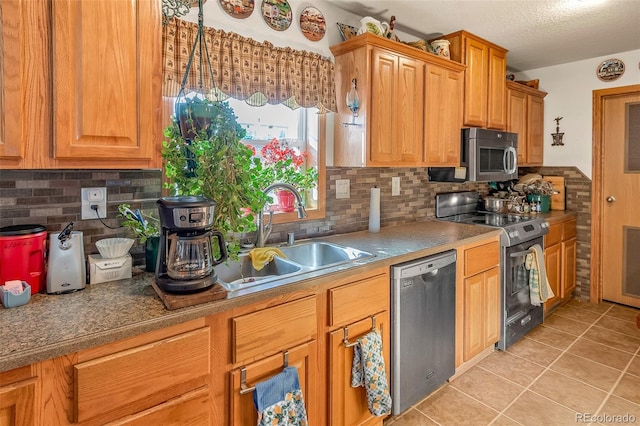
620 138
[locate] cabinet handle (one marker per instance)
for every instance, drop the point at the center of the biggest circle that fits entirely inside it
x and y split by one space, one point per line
611 199
346 342
244 389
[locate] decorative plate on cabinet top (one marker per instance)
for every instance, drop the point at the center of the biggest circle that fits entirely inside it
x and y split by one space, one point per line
277 14
312 23
240 9
347 31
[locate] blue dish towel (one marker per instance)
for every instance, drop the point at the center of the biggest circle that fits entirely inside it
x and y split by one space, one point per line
368 370
279 400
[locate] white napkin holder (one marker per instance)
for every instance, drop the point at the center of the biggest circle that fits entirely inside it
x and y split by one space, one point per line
104 270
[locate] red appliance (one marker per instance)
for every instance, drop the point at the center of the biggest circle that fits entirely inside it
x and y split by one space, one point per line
22 255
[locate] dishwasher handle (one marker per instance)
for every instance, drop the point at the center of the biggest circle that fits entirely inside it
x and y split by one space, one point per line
422 266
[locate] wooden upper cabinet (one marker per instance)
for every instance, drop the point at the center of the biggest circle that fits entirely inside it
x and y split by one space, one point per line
443 116
496 105
484 97
24 81
396 104
107 74
396 108
525 116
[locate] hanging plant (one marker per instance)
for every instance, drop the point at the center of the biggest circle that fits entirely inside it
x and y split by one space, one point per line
216 165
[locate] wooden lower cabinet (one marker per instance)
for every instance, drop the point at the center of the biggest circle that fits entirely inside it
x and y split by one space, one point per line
477 298
552 261
191 409
348 405
481 312
303 357
18 403
560 254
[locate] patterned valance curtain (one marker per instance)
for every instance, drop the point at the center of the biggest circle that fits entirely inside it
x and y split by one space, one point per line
244 69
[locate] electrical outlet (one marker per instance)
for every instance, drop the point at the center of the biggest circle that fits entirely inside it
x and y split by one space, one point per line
395 185
90 197
342 188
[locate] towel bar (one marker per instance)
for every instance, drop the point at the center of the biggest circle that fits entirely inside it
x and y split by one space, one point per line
346 342
243 375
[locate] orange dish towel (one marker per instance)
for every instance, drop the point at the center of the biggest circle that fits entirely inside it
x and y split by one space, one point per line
262 256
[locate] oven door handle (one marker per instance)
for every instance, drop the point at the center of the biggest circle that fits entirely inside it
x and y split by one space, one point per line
521 253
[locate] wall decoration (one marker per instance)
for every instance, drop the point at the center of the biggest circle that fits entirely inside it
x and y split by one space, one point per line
277 14
557 136
239 9
175 9
312 23
347 31
610 70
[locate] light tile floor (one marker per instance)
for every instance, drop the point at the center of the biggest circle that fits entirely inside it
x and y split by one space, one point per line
582 366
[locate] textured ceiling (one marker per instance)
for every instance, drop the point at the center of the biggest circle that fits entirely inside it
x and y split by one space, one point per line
537 33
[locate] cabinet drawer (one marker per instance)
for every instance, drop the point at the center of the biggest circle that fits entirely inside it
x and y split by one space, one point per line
357 300
188 409
554 236
481 258
274 329
130 381
568 230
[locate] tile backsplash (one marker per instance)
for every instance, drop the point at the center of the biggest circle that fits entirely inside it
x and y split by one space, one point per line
52 198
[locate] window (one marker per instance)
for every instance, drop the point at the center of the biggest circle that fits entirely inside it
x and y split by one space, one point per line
295 129
302 129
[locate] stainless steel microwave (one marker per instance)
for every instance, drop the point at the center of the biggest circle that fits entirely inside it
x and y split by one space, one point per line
489 155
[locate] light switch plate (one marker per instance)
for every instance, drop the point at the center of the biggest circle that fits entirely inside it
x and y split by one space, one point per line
395 185
342 188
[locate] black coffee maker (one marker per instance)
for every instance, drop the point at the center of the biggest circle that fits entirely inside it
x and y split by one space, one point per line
185 256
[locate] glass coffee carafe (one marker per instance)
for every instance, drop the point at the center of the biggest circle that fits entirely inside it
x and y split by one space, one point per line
189 257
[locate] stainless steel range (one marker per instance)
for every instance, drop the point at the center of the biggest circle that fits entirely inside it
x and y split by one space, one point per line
519 235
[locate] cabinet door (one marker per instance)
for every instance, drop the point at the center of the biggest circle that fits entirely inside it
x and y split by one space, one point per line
382 126
107 74
568 267
552 260
496 101
492 307
303 357
442 116
18 403
535 107
476 83
24 81
474 327
397 104
408 107
517 121
348 405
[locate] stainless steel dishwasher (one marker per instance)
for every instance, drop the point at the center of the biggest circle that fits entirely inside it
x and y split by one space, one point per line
423 302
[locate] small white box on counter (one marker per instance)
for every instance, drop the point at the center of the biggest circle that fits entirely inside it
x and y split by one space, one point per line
103 270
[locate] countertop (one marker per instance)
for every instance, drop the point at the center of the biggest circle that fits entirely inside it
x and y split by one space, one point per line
53 325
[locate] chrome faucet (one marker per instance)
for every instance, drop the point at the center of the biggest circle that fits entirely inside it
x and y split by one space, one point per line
264 230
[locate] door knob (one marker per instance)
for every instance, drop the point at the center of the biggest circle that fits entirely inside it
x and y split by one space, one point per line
611 199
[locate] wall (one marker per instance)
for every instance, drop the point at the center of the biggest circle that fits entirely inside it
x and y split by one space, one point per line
578 199
570 87
255 27
52 198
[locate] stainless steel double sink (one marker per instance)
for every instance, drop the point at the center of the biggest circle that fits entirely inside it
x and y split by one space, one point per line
300 258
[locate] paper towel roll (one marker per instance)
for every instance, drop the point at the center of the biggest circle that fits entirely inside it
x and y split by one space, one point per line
374 210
